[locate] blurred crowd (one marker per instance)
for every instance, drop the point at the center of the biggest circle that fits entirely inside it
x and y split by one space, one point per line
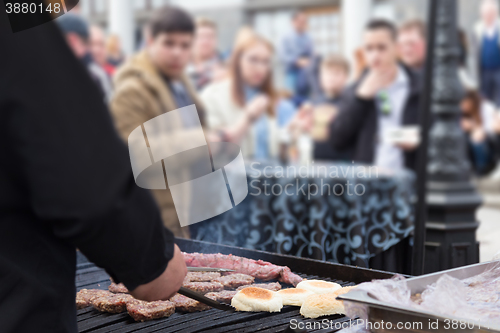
364 109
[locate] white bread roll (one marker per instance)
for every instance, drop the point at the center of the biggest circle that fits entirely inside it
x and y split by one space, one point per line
254 299
319 286
343 290
321 305
294 296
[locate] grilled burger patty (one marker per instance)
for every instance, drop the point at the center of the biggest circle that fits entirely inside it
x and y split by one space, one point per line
203 287
201 276
142 311
85 296
118 288
186 304
235 280
224 296
114 303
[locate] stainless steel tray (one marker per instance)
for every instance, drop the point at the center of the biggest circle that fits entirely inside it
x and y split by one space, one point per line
380 313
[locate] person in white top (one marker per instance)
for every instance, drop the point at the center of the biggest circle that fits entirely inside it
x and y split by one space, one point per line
383 101
246 104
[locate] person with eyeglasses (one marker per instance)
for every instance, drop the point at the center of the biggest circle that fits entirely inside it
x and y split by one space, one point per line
246 104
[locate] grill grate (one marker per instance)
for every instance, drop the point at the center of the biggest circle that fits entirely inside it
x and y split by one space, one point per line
210 321
216 321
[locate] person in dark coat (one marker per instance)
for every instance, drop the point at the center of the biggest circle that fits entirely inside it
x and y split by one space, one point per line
486 42
77 33
385 98
66 183
333 73
481 139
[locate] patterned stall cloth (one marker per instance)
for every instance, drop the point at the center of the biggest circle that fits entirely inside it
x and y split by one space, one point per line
335 212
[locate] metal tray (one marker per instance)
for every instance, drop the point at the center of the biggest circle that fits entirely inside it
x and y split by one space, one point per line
380 313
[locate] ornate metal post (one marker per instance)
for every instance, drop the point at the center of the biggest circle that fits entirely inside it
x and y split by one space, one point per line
451 199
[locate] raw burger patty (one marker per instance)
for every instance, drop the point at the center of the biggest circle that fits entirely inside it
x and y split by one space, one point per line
142 311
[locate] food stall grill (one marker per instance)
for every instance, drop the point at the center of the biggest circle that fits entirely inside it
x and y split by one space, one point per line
213 320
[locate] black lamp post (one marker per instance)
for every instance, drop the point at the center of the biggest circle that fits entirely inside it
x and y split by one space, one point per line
450 239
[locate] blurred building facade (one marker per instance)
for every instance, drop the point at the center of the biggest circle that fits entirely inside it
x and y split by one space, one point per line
336 26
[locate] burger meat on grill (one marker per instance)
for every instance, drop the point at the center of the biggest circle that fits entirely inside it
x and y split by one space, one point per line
203 287
114 303
85 296
118 288
274 286
235 280
224 296
201 276
185 304
142 311
257 268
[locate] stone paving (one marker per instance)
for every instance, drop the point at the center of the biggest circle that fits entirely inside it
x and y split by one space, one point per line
488 233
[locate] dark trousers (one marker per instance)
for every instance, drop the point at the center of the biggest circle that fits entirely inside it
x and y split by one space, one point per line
490 85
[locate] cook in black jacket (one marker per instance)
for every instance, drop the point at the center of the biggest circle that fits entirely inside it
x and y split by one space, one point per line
66 183
356 125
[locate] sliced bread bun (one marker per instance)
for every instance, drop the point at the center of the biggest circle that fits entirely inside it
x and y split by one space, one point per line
319 286
254 299
294 296
321 305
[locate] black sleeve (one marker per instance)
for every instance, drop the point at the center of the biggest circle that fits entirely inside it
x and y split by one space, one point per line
483 165
75 169
352 113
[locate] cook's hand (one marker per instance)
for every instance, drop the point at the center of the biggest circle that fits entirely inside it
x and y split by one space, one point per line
256 107
167 284
375 81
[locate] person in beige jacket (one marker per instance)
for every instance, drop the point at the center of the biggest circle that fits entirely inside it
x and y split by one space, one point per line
249 91
153 82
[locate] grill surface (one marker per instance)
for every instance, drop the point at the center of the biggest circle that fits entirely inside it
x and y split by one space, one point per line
212 321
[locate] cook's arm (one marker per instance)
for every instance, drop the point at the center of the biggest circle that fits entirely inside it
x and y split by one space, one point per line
75 167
